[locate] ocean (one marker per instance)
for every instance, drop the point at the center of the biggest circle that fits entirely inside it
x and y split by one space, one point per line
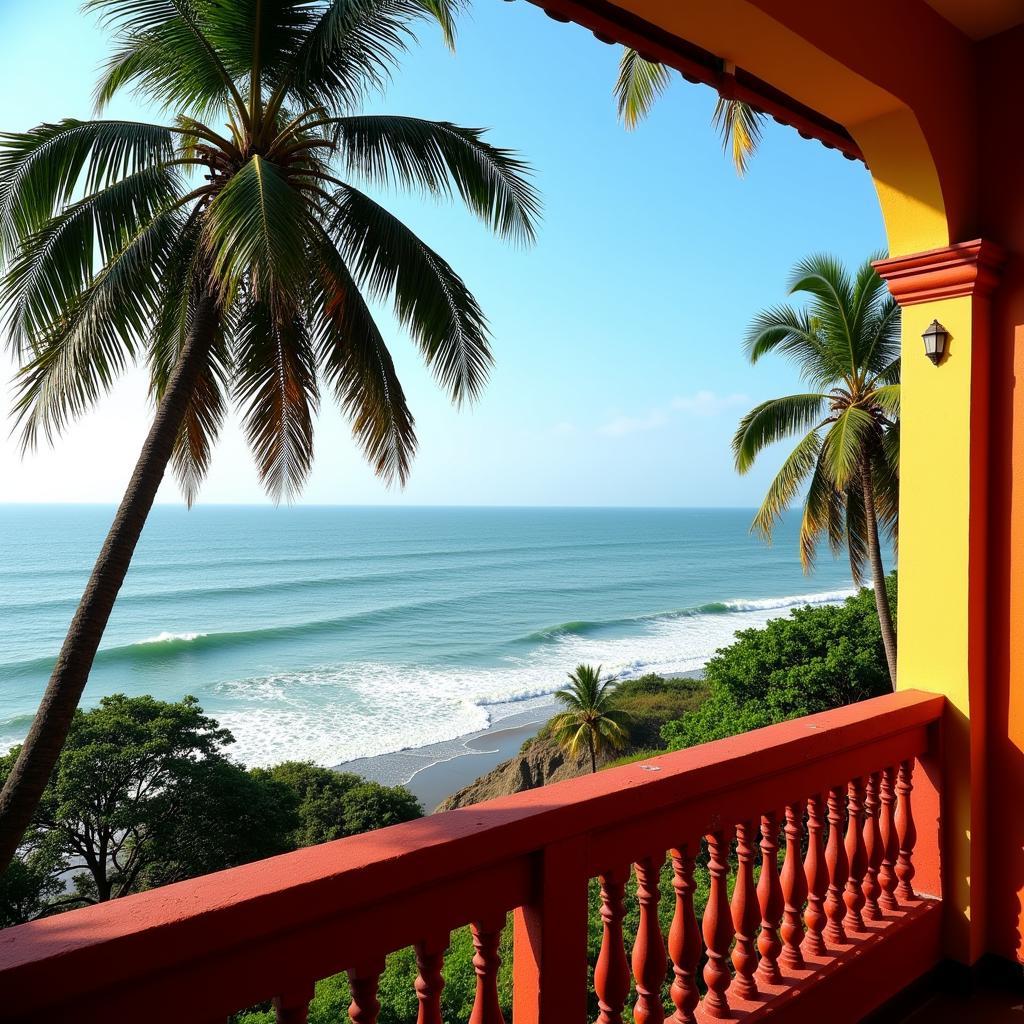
335 633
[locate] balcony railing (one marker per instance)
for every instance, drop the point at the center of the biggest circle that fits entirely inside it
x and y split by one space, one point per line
835 932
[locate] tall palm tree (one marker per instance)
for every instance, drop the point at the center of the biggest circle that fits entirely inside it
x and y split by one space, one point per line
640 82
589 716
230 251
845 343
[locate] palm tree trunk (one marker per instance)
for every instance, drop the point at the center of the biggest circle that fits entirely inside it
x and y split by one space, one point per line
41 749
593 755
877 571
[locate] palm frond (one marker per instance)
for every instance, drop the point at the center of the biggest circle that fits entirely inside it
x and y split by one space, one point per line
357 364
257 226
275 383
438 156
163 50
41 168
846 444
82 353
885 474
824 515
855 535
773 420
784 488
825 279
794 334
431 300
640 82
887 397
739 126
54 266
351 47
881 338
178 314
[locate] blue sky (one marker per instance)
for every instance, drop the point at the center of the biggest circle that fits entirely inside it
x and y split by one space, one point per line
618 337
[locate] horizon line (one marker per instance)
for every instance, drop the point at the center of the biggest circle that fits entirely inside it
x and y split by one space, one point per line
378 505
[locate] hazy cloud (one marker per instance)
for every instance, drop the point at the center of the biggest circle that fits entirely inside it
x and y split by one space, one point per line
707 403
622 425
702 403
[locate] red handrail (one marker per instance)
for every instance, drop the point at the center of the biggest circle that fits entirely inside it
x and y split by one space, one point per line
237 937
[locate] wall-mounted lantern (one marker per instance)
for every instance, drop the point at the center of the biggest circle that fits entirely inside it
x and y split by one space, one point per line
936 338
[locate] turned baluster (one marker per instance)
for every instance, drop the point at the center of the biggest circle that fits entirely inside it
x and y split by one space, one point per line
794 892
817 879
293 1007
684 945
906 833
872 849
430 981
838 867
887 880
649 958
770 900
611 973
745 914
856 855
486 961
363 981
717 925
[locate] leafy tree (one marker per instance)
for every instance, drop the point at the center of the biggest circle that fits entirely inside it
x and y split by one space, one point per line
845 343
229 250
142 795
331 805
816 659
590 717
641 82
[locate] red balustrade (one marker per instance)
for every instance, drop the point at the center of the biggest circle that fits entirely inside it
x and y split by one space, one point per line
745 914
430 980
817 879
770 900
794 892
827 937
649 949
611 974
857 857
872 848
684 943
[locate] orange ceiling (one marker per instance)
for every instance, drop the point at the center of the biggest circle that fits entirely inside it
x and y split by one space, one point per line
980 19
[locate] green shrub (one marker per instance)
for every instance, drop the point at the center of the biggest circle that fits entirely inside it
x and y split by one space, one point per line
816 659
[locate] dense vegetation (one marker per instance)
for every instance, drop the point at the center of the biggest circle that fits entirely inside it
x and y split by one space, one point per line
818 658
145 794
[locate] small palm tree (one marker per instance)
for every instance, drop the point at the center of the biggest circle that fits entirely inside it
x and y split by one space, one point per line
589 716
640 82
845 343
229 250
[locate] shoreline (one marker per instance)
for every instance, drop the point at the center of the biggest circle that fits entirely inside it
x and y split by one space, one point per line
435 771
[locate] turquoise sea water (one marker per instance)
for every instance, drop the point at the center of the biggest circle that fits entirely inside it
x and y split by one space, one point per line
337 633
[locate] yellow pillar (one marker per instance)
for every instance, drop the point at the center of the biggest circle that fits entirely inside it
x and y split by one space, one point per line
943 554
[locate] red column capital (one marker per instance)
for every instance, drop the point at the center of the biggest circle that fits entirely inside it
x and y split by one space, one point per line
965 268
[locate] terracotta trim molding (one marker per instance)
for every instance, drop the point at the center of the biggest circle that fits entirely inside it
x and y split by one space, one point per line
612 24
966 268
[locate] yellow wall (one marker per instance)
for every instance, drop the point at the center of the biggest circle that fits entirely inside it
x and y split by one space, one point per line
934 561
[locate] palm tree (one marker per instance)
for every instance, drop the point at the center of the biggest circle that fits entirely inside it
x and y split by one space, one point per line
230 251
845 343
640 82
589 716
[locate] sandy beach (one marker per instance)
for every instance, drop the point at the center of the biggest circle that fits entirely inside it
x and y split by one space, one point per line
436 770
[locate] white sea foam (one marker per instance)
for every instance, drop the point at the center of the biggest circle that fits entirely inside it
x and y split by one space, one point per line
167 638
795 601
340 713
